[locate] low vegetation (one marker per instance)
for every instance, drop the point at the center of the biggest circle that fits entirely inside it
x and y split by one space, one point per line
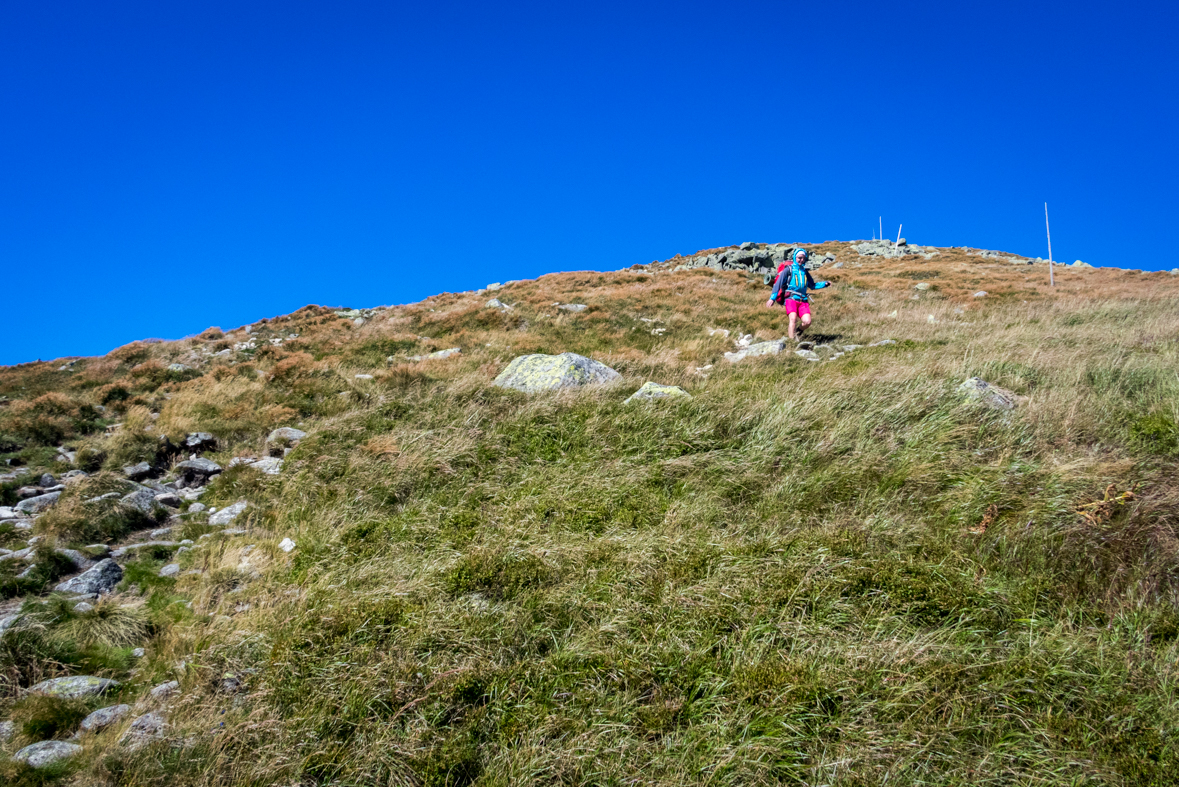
818 573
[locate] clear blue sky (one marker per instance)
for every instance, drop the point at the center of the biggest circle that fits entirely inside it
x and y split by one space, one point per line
171 166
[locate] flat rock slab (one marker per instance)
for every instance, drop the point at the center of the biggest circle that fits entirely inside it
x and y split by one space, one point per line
573 307
35 505
101 578
990 395
271 465
40 755
536 373
288 433
436 355
74 686
652 390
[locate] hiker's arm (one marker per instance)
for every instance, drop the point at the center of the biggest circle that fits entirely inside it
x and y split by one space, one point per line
810 282
778 283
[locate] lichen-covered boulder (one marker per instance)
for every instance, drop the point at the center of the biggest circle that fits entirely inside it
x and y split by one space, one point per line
40 755
74 686
652 390
990 395
35 505
535 373
104 717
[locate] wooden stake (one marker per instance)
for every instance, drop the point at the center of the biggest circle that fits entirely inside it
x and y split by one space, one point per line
1051 278
899 228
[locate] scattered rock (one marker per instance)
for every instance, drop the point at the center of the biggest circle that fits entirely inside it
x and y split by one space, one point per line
931 319
80 561
363 376
228 514
271 465
7 730
138 653
196 508
573 307
137 472
7 622
104 717
165 690
197 472
45 753
534 373
142 500
168 499
102 578
82 607
990 395
35 505
1079 264
436 355
286 545
286 434
123 551
981 294
922 285
652 390
722 331
882 343
809 355
47 480
7 512
74 686
496 303
145 729
761 348
170 570
200 441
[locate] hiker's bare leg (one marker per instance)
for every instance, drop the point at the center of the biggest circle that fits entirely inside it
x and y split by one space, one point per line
806 322
790 325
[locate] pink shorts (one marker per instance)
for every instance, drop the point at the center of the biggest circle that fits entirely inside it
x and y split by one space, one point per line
797 307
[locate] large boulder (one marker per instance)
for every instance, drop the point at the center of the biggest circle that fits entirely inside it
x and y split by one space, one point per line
101 578
40 755
35 505
652 390
74 687
991 395
761 348
535 373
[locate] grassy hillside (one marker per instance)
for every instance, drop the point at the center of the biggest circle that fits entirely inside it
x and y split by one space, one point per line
838 572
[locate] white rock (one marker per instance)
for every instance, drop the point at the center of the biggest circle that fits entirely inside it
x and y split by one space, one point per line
286 545
271 465
170 570
165 690
364 377
83 607
226 515
40 755
981 294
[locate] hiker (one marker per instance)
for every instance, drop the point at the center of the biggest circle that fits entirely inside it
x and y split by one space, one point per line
791 287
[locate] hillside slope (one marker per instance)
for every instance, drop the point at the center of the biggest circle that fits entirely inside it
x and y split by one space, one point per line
833 571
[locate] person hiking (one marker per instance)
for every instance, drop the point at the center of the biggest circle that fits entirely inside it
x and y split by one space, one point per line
790 290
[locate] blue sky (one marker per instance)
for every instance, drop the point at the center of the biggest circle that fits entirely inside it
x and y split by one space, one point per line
171 166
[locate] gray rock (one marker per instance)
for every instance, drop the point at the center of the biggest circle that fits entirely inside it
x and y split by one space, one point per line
35 505
47 479
137 472
287 433
74 687
8 513
179 367
652 390
80 561
573 307
496 303
436 355
228 514
101 548
363 376
882 343
7 730
761 348
168 499
104 717
123 551
981 294
160 532
45 753
138 653
82 607
990 395
143 730
271 465
198 470
196 508
165 690
535 373
7 622
200 441
143 501
102 578
170 570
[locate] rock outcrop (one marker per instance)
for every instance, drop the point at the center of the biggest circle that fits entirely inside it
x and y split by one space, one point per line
535 373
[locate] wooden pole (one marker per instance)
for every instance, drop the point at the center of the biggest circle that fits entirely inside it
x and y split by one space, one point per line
899 228
1051 278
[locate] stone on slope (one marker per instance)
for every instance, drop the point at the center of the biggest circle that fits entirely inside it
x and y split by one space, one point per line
535 373
137 472
981 294
170 570
200 441
496 303
990 395
761 348
40 755
141 500
7 730
288 434
35 505
652 390
286 545
145 729
573 307
434 356
165 690
228 514
102 578
197 471
74 686
104 717
271 465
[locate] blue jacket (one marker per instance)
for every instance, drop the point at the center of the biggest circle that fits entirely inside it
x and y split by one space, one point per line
793 282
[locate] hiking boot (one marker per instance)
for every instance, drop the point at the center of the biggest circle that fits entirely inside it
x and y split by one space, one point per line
805 345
